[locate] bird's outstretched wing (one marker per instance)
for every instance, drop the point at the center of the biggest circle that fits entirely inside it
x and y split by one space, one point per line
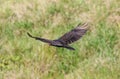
74 34
41 39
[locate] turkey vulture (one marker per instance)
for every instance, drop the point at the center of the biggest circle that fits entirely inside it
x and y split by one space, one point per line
67 38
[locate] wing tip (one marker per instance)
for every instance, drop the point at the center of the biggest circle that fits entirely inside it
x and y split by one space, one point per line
29 34
83 26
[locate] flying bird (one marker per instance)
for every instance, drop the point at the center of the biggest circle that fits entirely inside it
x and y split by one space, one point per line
68 38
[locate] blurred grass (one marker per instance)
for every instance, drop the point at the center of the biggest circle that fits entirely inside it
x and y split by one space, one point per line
97 54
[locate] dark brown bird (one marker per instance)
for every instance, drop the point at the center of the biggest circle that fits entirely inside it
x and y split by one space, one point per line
67 38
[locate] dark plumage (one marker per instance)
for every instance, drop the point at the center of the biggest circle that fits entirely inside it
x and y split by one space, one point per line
67 38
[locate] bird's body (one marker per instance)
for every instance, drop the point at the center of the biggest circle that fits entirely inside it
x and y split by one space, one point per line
57 43
67 38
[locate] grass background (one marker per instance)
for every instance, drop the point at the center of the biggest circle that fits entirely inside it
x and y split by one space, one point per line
97 54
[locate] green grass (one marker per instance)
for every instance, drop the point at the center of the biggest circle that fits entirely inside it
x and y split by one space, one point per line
97 54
